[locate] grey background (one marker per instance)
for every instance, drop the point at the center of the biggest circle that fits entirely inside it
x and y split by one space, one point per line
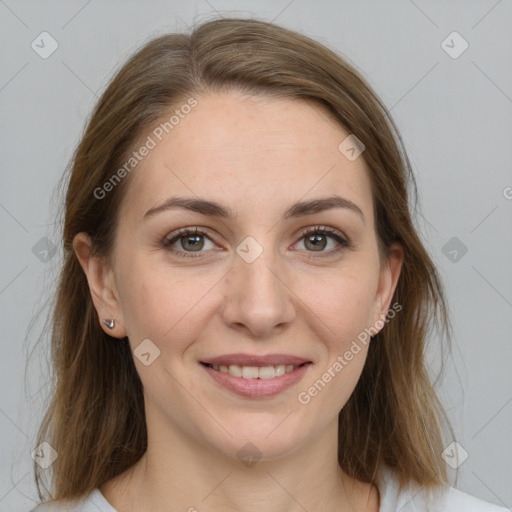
455 115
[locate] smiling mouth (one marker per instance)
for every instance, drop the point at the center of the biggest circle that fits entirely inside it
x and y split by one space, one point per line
255 372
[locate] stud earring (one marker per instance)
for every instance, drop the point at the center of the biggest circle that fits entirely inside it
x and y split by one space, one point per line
109 323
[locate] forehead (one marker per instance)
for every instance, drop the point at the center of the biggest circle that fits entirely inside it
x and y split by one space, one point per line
238 150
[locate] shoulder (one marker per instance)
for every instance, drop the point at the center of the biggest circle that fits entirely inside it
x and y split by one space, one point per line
92 502
459 500
416 499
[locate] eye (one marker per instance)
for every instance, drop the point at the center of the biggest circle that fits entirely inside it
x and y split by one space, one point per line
187 241
190 242
317 238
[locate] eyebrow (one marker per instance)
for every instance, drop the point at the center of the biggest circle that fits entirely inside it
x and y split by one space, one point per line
214 209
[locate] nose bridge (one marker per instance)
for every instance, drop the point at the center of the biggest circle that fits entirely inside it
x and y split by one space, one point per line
257 297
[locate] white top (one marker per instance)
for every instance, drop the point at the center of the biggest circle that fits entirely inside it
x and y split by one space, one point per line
413 499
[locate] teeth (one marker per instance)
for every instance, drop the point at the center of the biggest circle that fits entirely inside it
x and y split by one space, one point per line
267 372
234 370
255 372
250 372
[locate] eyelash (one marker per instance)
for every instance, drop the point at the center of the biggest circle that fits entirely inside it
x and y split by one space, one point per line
343 242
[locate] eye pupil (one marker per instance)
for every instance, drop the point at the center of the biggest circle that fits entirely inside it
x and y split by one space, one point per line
196 242
319 242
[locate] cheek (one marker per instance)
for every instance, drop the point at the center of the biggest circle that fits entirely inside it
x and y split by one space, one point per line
164 306
342 351
340 309
340 303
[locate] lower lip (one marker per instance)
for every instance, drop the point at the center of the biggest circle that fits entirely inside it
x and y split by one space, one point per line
257 388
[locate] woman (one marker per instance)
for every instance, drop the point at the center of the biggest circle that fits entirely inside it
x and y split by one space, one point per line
243 308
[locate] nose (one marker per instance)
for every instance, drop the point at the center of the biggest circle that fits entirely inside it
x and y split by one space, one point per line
258 299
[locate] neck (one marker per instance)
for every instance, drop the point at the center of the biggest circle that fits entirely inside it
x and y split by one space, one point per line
178 472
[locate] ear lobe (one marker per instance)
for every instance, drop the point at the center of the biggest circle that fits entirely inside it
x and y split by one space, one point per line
101 285
388 279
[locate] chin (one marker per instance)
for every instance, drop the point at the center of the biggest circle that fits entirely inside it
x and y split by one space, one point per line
260 437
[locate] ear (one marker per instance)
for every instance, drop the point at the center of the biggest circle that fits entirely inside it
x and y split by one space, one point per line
388 279
101 285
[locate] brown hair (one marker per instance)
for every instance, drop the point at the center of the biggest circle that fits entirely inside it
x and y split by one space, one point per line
96 419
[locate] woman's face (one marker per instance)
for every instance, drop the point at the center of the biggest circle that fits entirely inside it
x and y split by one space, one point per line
285 264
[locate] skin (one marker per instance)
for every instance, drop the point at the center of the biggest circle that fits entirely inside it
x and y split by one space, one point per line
256 156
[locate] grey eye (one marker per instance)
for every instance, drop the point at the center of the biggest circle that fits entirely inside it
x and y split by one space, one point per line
315 242
192 242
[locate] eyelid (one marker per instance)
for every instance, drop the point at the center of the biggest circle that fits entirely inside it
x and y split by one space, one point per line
170 239
181 232
174 236
326 230
342 240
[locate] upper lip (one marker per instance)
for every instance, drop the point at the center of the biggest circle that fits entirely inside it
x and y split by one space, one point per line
255 360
